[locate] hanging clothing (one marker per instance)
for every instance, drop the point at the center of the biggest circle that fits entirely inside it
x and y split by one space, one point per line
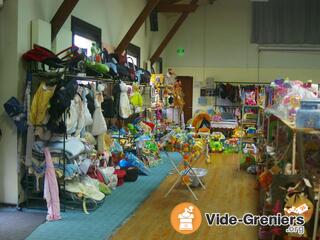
99 125
146 95
116 91
40 103
125 109
108 107
51 189
136 101
86 112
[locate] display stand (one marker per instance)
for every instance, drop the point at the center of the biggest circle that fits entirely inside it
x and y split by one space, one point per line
316 219
296 146
181 174
188 167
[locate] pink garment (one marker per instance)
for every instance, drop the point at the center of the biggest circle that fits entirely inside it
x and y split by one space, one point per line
51 189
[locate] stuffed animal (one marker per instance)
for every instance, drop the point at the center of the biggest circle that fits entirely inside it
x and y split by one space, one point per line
136 99
178 95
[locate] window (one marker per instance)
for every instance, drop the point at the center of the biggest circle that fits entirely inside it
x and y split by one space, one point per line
133 54
84 34
286 22
83 43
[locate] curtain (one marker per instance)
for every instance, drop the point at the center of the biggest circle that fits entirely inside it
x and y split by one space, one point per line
286 22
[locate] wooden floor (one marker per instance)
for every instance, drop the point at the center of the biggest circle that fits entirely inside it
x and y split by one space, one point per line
228 190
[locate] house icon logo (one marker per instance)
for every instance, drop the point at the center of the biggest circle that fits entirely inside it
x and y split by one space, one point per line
186 218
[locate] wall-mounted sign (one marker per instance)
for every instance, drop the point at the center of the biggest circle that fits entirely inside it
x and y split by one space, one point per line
180 51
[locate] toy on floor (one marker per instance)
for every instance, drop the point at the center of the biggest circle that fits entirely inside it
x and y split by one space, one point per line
216 142
134 161
216 146
201 122
250 148
246 161
231 145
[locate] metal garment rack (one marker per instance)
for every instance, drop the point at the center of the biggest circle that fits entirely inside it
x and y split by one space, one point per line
236 83
35 79
62 157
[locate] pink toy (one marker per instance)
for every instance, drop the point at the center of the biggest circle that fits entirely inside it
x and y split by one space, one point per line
217 118
250 98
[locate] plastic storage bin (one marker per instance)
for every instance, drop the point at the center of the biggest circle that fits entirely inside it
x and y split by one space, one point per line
308 118
310 104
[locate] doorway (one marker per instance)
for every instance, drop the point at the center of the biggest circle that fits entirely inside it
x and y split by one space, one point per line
187 86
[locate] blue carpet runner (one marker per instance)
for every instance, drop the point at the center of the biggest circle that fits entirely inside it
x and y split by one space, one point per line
117 207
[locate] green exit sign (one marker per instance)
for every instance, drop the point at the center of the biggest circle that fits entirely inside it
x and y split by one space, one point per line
180 51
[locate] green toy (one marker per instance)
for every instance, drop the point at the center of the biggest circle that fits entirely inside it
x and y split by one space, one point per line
216 146
152 146
132 129
97 67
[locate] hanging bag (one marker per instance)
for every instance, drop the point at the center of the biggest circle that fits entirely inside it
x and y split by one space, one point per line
16 112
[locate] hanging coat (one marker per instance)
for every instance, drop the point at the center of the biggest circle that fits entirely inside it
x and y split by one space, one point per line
40 103
51 189
116 98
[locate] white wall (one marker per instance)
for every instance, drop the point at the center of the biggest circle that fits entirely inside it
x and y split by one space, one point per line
114 17
9 87
217 44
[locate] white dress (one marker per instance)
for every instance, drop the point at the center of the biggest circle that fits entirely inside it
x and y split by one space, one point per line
124 109
99 125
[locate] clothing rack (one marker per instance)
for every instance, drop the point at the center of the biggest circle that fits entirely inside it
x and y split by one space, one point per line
35 80
63 156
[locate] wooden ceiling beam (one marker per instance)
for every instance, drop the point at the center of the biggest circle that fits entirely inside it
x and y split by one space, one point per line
171 8
61 16
170 1
136 25
170 34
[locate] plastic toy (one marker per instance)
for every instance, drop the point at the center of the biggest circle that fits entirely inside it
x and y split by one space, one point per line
250 148
152 146
231 145
218 136
239 133
246 161
251 131
217 117
132 129
134 161
250 98
201 122
216 146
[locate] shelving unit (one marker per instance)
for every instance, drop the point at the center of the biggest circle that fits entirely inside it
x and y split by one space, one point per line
297 152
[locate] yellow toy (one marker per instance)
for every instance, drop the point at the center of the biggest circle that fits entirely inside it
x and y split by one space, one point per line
238 133
136 99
